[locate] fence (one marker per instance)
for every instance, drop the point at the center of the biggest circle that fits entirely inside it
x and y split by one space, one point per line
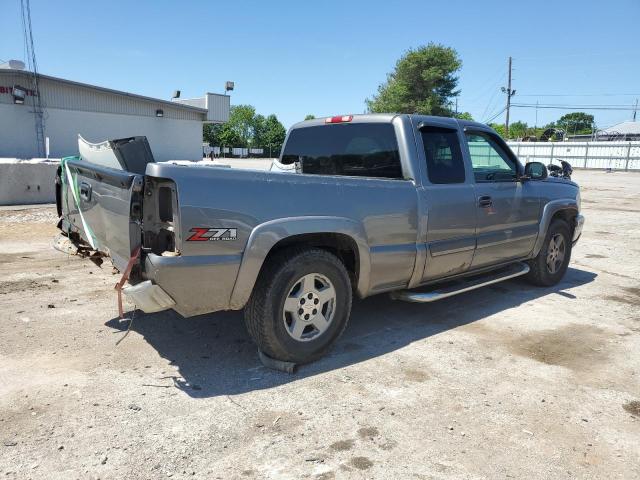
599 155
236 152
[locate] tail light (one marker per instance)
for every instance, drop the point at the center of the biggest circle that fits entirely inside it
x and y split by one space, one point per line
339 119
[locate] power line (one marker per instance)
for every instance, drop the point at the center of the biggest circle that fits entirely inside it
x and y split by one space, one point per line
38 107
579 95
576 107
489 120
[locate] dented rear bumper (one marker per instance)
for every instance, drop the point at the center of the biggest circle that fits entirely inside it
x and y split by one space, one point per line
149 297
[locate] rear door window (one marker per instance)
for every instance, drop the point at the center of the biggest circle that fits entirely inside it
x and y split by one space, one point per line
350 149
443 155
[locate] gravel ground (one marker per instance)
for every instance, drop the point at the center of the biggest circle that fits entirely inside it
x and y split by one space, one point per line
505 382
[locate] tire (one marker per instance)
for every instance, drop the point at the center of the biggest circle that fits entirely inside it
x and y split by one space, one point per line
296 291
551 263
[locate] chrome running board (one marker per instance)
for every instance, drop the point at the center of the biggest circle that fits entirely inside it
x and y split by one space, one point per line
462 285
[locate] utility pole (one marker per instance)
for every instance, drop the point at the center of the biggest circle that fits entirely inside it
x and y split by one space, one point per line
510 93
635 110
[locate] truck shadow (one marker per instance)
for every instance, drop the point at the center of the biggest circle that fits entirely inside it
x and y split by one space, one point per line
215 355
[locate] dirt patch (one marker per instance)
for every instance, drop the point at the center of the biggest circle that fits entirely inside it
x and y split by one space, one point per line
621 299
325 476
342 445
36 233
575 346
633 408
15 286
361 463
368 432
635 291
31 215
413 375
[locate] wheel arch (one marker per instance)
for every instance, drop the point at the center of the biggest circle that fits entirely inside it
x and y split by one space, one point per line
342 236
565 209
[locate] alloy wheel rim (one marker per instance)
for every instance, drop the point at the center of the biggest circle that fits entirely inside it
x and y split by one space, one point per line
555 253
309 307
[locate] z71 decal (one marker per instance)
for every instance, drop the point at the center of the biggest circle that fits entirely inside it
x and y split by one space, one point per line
212 234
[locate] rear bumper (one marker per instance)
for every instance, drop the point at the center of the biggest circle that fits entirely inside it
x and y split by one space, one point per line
577 228
197 284
148 297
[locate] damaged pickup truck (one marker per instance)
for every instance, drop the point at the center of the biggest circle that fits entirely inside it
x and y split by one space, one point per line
422 207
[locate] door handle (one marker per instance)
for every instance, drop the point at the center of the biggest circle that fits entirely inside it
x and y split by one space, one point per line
485 201
85 191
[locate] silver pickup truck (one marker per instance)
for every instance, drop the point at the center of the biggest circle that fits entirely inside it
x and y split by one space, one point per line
422 207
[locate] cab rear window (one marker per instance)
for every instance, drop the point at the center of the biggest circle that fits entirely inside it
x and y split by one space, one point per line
353 149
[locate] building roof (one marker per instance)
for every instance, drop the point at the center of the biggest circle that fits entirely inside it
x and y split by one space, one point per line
179 105
624 128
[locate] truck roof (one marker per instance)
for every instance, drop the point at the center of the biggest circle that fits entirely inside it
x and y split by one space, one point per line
388 117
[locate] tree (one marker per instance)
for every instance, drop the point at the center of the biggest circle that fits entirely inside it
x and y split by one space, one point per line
464 116
229 137
424 81
211 133
274 134
245 129
518 130
240 125
576 122
259 131
498 127
309 117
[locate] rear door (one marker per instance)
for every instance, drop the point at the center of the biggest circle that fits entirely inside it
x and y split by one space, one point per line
104 206
449 201
507 209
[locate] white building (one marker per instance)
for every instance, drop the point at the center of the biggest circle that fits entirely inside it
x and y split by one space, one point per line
622 131
69 109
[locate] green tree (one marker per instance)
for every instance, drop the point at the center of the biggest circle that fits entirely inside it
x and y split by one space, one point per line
274 134
518 130
424 81
309 117
240 125
229 137
464 116
259 131
211 133
499 128
576 122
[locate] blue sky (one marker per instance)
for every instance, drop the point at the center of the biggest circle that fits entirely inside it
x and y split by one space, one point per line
292 58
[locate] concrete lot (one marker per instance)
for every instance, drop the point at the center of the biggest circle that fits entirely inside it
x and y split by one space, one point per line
505 382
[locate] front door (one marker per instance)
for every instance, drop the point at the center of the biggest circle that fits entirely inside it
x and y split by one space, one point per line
507 209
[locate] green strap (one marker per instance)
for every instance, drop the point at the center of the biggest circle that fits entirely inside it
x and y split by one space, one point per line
69 180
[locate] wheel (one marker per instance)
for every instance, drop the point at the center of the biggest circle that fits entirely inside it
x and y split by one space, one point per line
300 305
551 263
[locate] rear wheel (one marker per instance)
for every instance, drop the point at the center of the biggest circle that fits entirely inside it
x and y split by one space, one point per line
300 305
552 261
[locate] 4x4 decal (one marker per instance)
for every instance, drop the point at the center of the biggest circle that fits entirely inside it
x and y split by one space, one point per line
203 234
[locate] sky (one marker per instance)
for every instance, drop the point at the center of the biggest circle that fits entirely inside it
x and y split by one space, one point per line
294 58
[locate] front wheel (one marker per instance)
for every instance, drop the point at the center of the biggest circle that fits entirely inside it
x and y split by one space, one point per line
552 261
300 305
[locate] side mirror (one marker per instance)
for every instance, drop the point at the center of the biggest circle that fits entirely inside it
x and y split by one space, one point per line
535 171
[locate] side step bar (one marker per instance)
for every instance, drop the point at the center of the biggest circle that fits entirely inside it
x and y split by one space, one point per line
461 286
